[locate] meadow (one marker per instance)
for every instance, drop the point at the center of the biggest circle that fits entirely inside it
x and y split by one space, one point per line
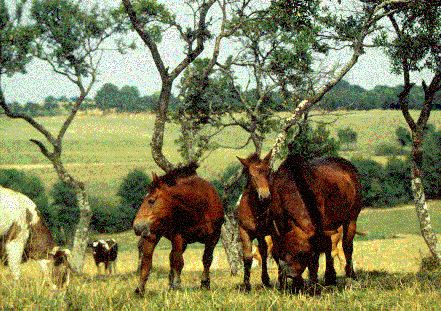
101 150
387 261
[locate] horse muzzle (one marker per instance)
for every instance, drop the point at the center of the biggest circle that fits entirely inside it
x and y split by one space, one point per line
264 193
141 228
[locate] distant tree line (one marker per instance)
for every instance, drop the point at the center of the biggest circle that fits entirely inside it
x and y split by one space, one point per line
110 98
353 97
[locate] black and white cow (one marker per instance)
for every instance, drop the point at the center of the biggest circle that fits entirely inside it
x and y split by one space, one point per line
105 252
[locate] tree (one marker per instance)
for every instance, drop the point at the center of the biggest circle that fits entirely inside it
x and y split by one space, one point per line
416 46
350 31
68 37
107 97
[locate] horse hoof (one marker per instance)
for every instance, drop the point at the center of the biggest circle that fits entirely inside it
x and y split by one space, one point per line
175 287
266 283
330 281
139 292
246 288
205 284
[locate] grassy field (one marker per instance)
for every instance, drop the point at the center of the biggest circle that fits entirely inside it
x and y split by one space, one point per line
387 262
101 150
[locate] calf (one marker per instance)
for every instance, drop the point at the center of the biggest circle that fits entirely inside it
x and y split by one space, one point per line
60 268
105 252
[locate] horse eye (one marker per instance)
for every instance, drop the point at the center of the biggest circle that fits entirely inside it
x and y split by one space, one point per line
151 201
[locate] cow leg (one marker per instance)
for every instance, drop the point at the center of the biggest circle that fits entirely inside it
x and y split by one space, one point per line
148 246
263 250
247 257
114 263
176 261
349 230
313 267
14 251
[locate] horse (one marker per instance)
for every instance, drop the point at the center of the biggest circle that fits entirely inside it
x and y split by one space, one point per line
311 200
308 202
183 208
253 214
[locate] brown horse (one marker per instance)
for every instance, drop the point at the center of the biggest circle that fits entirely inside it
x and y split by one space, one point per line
309 201
253 214
185 209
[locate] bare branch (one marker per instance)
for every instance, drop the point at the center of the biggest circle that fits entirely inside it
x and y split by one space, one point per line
145 36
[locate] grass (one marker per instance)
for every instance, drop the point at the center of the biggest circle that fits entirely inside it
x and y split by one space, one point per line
389 277
101 150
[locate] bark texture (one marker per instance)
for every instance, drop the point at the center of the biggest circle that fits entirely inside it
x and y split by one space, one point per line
231 242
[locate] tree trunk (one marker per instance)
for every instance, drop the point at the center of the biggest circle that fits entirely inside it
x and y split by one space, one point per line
421 207
231 242
81 236
159 128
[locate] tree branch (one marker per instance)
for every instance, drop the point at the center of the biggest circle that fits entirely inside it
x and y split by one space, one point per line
201 34
145 36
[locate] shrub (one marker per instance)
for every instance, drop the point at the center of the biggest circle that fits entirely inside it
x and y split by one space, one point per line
371 177
404 137
396 182
312 142
132 191
431 166
384 186
347 137
64 212
108 217
28 184
133 188
388 149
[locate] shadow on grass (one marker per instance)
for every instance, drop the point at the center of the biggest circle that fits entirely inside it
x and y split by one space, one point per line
383 280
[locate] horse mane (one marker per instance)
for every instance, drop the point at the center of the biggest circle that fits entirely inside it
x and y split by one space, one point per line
172 176
299 170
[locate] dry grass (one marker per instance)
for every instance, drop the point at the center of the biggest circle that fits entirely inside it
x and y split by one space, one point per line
388 270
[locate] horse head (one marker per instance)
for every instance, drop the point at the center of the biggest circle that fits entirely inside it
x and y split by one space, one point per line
258 172
155 208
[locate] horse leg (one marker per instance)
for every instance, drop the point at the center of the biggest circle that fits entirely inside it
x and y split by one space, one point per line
330 274
263 250
176 261
148 246
207 259
349 230
247 257
313 267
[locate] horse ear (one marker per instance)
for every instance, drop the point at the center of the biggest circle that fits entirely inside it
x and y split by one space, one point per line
267 158
243 161
155 178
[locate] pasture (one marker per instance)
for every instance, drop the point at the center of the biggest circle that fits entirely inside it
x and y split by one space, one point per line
387 261
101 150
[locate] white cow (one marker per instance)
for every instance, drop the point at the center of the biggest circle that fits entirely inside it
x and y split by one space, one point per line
22 231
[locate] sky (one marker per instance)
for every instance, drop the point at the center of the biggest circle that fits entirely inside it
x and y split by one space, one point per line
136 68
